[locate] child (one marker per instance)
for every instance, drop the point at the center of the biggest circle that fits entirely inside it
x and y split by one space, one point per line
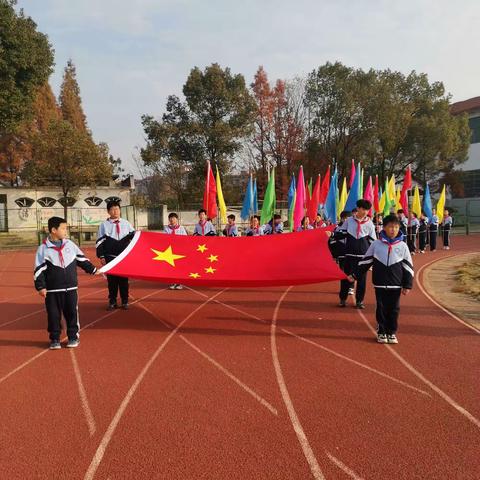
422 232
337 247
392 274
433 231
359 233
204 227
319 223
305 225
55 279
446 227
174 228
403 223
412 230
274 226
255 229
113 236
230 229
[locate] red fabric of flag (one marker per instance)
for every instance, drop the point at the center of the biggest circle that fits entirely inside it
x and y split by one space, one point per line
210 194
312 208
325 187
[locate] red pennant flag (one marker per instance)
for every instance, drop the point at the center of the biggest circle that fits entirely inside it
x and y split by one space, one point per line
210 194
215 261
376 200
312 208
325 186
307 195
407 180
404 201
352 174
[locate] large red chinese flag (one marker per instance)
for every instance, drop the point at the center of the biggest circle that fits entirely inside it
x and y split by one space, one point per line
210 194
273 260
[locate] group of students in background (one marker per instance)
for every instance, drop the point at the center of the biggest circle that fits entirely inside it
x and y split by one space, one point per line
357 243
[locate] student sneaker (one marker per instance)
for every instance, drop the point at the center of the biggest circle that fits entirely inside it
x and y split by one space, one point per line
392 338
173 286
447 248
111 306
351 291
342 303
360 305
73 343
422 251
382 338
125 306
55 345
178 287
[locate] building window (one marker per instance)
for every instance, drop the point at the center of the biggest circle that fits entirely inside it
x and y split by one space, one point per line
93 201
47 201
474 124
24 202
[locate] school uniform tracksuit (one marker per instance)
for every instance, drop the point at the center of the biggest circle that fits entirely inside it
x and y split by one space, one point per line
230 231
113 237
270 229
392 271
413 226
358 236
433 231
204 229
175 230
56 271
446 229
422 234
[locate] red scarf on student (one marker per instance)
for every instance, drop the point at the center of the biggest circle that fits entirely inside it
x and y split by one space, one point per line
202 224
359 224
173 228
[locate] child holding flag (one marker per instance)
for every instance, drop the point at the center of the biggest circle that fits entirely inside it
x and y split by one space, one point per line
204 227
433 230
274 226
255 229
422 232
392 275
413 225
174 228
305 225
446 228
230 229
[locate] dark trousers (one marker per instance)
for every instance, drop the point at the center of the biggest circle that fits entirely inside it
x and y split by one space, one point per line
66 303
433 239
388 308
446 237
114 285
411 242
422 240
351 267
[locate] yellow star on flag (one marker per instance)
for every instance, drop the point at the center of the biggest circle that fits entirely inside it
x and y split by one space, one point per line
210 270
202 248
167 256
194 275
213 258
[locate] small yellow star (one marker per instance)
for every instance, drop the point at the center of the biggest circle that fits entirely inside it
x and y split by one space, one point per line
202 248
213 258
210 270
194 275
167 256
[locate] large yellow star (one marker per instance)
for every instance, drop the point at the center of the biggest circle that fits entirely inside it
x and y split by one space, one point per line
167 256
210 270
213 258
194 275
202 248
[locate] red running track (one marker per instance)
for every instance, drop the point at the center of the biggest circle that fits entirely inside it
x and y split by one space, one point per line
270 383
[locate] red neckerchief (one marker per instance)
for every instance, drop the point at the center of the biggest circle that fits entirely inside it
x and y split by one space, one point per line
203 226
173 228
117 226
389 242
359 224
60 254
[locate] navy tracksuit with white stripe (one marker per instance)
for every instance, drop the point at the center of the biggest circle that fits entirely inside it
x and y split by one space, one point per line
56 271
392 270
112 238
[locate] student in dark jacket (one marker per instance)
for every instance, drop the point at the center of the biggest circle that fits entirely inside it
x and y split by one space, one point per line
423 232
392 275
358 232
114 235
55 278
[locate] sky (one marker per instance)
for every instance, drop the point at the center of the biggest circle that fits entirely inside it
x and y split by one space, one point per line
131 54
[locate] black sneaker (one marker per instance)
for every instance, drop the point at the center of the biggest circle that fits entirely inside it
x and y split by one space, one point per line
124 306
73 343
360 305
112 306
342 304
55 345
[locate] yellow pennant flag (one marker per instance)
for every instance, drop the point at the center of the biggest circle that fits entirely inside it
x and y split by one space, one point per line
391 190
416 205
398 195
441 205
381 203
221 201
343 196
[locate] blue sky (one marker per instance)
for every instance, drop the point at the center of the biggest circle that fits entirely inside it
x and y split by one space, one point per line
130 55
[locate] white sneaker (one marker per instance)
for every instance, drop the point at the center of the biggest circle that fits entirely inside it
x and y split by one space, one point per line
351 291
447 248
392 338
382 338
178 287
172 287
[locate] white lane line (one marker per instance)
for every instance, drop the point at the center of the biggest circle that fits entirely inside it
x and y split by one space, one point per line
7 300
83 396
297 426
100 452
448 312
436 389
43 352
359 364
232 377
43 309
343 467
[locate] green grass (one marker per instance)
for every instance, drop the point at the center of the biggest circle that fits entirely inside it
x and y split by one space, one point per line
468 278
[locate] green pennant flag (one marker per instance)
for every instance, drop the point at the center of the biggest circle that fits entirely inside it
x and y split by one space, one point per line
310 187
269 200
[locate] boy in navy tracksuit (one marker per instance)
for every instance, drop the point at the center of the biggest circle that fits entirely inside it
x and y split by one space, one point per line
231 229
204 227
392 275
114 234
55 278
446 228
359 233
433 231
